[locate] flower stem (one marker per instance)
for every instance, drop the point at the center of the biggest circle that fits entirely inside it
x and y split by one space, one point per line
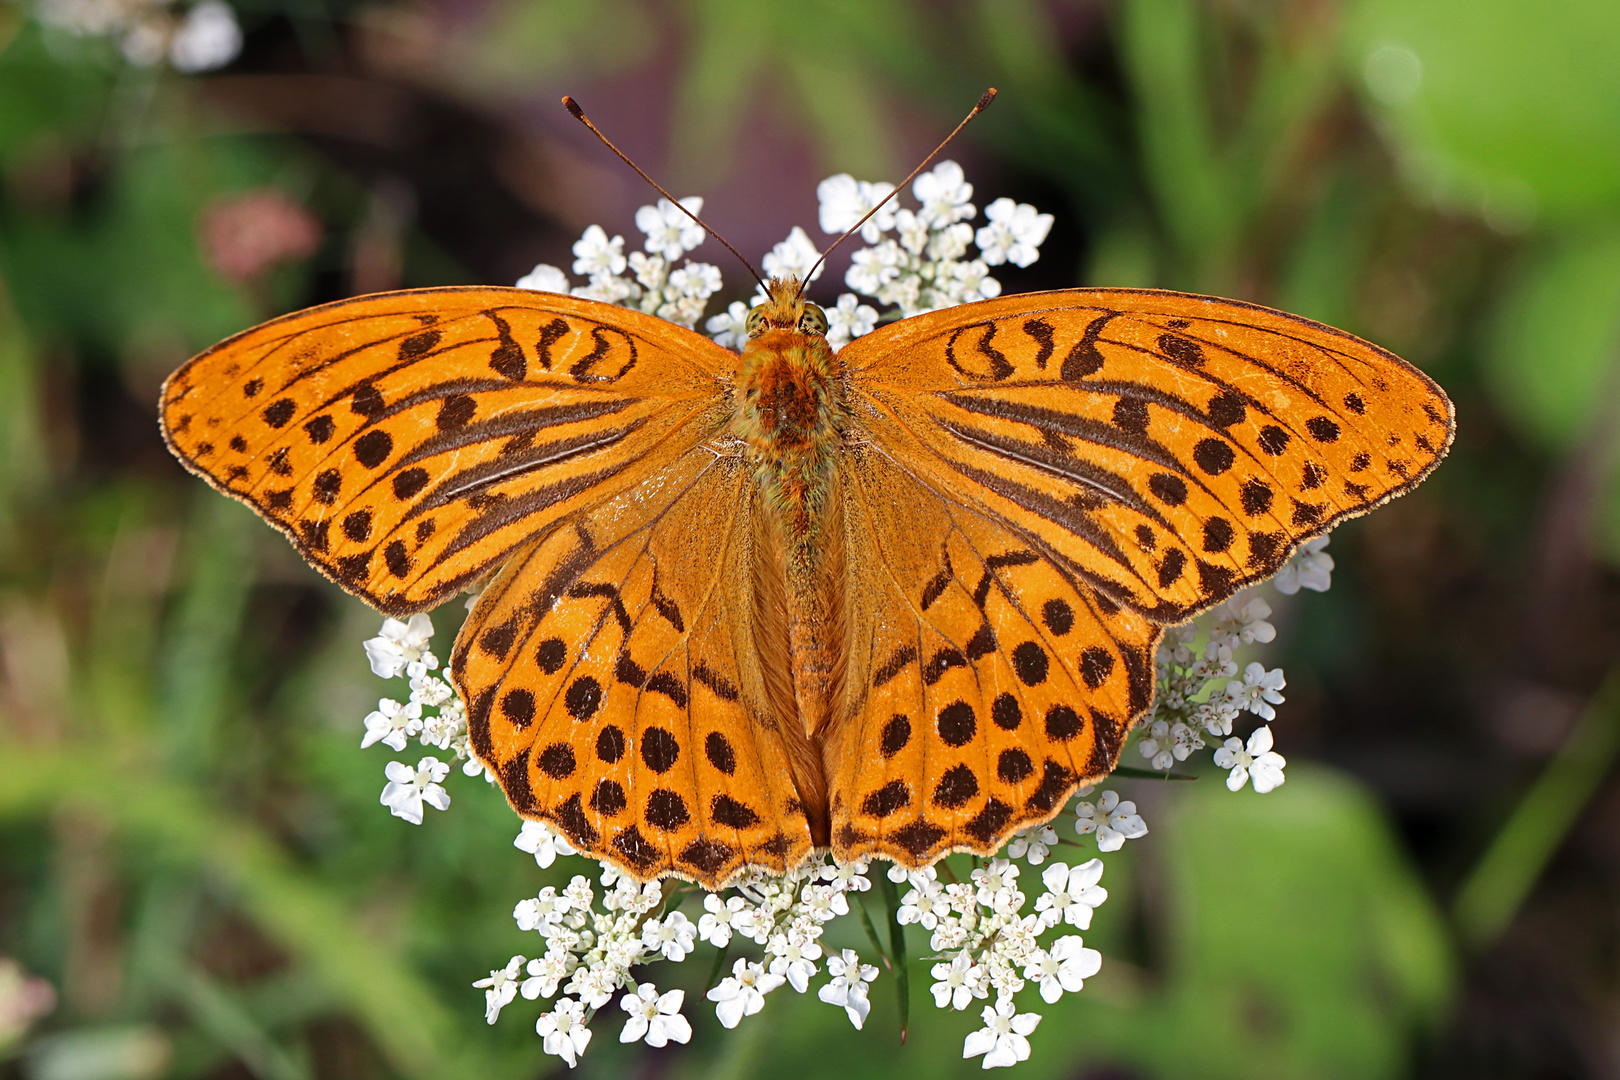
897 951
1499 883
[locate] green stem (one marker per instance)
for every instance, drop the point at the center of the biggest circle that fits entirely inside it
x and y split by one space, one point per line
1149 774
1499 883
871 932
719 966
897 951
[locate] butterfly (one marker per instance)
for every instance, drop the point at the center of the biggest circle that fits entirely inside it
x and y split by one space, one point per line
897 601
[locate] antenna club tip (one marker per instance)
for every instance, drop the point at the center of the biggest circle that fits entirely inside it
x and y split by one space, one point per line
573 106
984 102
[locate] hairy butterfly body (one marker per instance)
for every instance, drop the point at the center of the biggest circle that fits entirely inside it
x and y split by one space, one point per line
901 600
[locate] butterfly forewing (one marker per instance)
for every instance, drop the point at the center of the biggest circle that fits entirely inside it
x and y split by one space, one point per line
1171 448
613 683
985 682
409 442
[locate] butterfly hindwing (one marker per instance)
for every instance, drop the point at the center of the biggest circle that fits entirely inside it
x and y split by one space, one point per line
614 688
409 442
985 682
1172 448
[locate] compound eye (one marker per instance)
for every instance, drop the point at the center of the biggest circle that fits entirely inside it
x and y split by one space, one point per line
755 323
813 321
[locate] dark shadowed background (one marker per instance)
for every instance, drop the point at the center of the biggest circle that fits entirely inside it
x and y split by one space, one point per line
191 850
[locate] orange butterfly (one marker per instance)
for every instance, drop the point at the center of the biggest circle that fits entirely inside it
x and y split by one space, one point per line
897 601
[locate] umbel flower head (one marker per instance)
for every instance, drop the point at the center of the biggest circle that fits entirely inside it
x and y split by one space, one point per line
1001 937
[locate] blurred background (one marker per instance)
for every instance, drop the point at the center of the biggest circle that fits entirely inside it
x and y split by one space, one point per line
196 879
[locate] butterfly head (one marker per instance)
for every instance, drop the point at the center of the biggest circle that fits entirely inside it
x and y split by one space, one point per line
785 308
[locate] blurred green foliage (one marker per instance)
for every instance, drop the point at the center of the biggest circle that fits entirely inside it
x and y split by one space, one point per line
190 843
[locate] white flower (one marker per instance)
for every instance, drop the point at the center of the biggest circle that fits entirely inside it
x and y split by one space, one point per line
742 993
872 268
208 38
793 257
594 983
973 281
944 193
845 200
912 231
823 902
673 935
1071 895
670 233
1258 691
538 840
729 328
563 1030
651 271
1244 625
1216 717
923 904
695 280
1257 760
1310 568
656 1018
793 957
848 319
1015 233
960 981
544 911
949 244
848 877
1156 745
1004 1038
608 289
547 278
392 723
848 986
597 256
546 972
719 914
409 788
1064 967
399 644
500 988
1036 842
999 877
1113 821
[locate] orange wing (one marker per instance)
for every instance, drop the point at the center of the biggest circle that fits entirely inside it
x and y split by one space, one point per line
1172 448
985 681
614 680
409 442
1035 485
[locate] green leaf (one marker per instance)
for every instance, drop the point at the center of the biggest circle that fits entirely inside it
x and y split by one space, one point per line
1500 106
1553 355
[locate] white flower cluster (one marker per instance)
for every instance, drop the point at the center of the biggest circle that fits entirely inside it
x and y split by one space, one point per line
985 940
924 265
433 715
591 944
985 936
200 37
654 284
1200 694
919 260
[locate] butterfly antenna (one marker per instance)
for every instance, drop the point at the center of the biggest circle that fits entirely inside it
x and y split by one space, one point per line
579 114
984 103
